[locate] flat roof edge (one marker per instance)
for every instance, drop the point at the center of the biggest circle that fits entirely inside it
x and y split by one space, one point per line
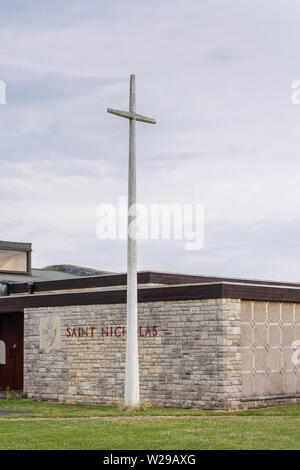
15 246
178 292
144 277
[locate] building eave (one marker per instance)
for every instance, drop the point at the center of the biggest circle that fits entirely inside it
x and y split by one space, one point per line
212 290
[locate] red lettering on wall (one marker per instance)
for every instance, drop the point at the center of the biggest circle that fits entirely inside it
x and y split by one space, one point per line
148 332
116 331
81 332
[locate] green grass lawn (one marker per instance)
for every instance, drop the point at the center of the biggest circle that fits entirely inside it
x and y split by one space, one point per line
271 428
152 433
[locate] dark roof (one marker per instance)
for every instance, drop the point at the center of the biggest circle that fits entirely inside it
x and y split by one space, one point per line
56 272
37 275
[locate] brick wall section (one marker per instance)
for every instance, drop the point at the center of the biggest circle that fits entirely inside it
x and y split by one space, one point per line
193 361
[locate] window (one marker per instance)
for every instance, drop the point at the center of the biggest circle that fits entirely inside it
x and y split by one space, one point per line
13 261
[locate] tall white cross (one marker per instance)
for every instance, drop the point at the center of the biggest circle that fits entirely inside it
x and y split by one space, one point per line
132 390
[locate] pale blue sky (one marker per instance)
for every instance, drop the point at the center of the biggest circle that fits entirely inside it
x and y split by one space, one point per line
216 74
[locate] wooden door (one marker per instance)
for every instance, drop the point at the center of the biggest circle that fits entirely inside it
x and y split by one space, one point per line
11 338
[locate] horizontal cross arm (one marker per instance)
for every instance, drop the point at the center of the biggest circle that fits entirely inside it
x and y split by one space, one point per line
117 112
139 117
129 115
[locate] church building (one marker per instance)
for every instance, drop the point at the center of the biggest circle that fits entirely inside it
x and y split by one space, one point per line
204 341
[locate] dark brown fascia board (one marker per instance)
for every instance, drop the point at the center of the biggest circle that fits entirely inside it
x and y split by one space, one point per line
115 296
107 280
145 277
86 282
154 294
261 292
174 278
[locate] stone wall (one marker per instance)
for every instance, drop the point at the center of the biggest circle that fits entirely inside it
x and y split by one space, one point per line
268 334
212 354
193 360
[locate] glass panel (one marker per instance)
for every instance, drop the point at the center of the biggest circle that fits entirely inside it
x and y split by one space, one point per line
13 261
3 289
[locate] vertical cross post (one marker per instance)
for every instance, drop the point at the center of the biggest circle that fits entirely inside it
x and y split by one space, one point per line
132 393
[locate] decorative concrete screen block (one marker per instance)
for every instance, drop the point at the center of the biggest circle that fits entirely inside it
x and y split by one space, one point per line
50 332
268 334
